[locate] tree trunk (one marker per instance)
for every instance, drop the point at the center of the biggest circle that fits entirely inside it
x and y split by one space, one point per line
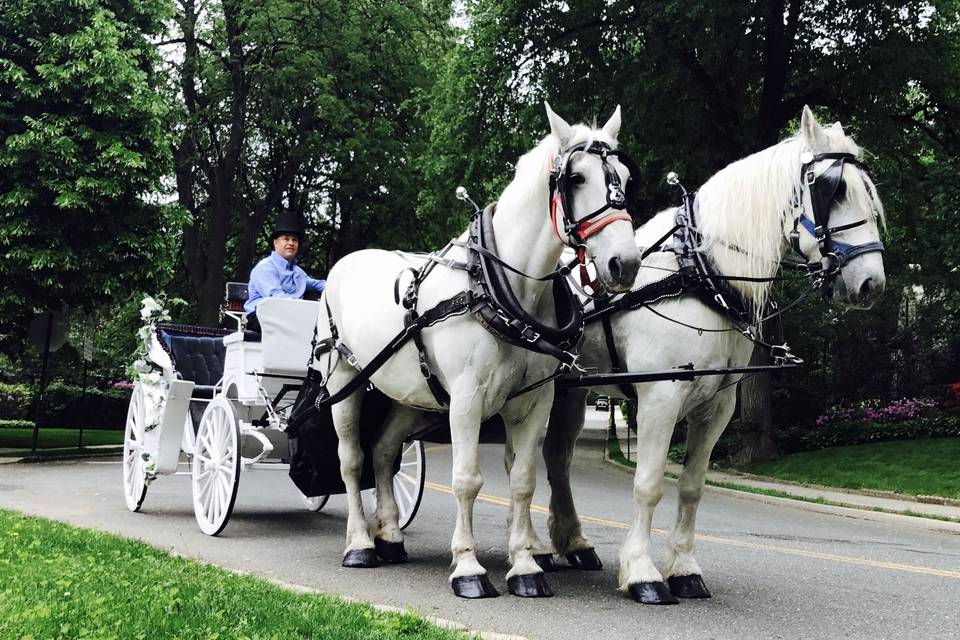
756 414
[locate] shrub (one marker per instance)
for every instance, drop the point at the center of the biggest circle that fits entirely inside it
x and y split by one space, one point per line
66 406
872 411
15 401
795 439
16 424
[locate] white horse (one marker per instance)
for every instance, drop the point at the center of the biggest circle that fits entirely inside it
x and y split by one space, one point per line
479 371
747 212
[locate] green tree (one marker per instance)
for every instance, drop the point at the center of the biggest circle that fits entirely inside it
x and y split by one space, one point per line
306 106
83 145
703 84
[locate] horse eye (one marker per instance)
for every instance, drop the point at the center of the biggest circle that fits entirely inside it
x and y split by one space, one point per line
577 178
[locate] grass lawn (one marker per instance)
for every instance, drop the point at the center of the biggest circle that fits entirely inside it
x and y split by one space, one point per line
913 467
57 438
58 581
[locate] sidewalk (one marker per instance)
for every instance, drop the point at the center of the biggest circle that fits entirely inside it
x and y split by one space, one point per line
927 511
9 456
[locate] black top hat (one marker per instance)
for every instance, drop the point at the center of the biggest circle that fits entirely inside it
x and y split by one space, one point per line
287 222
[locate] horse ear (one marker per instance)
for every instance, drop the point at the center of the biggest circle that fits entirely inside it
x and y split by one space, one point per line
558 126
612 128
813 133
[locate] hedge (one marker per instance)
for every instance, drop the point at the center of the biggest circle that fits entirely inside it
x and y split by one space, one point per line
794 439
66 406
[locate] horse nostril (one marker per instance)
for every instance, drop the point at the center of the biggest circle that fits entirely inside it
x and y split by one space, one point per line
867 289
615 269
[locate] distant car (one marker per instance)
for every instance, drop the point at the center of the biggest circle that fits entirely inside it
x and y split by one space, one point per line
602 403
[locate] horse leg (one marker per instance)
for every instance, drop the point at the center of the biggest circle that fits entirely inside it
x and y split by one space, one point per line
566 423
469 578
525 417
658 408
542 554
704 426
387 536
359 552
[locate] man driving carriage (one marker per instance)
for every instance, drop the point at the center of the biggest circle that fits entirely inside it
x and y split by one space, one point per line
277 275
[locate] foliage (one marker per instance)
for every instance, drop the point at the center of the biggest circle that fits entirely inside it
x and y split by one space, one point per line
58 581
16 424
15 401
309 107
703 84
869 411
19 435
67 405
83 144
919 467
793 439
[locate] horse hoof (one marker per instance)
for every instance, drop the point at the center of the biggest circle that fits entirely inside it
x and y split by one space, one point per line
652 593
585 559
474 587
390 552
691 586
532 585
545 561
360 559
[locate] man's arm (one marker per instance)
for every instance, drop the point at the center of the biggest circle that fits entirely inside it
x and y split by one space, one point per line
316 285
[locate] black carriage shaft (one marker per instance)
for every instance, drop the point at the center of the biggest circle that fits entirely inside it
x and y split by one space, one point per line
679 373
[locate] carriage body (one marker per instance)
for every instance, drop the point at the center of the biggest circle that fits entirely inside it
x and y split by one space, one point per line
219 407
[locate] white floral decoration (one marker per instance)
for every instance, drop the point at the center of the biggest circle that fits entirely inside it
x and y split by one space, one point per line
151 366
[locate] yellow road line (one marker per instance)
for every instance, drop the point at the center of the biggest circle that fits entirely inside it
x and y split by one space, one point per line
880 564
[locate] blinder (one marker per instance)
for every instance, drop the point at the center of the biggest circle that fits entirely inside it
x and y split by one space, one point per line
620 199
825 190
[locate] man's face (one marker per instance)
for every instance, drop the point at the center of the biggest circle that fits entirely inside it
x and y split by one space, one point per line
286 246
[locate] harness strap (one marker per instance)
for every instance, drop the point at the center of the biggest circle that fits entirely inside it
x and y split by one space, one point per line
625 389
456 305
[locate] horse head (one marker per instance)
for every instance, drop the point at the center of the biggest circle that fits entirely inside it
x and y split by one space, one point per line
590 184
840 215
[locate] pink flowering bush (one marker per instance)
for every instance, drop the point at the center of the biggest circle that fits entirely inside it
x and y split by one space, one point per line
873 411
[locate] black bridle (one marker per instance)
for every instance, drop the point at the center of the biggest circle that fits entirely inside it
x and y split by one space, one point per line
620 198
825 189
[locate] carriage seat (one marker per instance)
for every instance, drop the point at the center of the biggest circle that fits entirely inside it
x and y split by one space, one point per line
236 294
287 326
197 354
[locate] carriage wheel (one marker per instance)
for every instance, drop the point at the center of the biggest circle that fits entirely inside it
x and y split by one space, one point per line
216 466
314 503
134 475
408 482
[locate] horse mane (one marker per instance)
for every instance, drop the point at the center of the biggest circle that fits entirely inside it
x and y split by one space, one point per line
529 188
743 208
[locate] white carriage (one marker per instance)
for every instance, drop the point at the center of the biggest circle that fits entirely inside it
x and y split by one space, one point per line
220 404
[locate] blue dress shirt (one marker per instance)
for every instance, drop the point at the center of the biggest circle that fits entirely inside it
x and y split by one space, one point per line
275 277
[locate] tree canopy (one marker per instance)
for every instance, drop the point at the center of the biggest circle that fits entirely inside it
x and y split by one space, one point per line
83 148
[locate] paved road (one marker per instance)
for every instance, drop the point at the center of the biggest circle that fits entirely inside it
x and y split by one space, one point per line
775 571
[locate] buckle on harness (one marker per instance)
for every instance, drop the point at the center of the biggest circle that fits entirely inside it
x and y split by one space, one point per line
528 334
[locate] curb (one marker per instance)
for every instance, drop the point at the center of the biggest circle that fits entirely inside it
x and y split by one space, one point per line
829 507
26 457
386 608
873 493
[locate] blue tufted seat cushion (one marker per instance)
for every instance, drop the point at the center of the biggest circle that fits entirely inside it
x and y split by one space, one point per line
198 359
